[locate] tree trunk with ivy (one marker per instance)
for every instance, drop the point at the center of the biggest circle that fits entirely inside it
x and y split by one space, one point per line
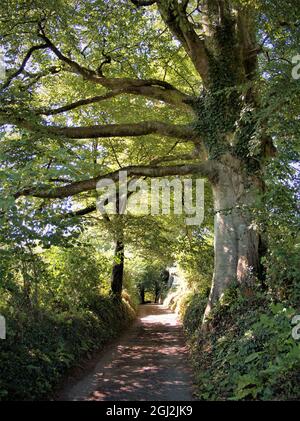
227 116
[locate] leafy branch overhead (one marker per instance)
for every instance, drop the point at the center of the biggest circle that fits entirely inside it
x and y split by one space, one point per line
175 16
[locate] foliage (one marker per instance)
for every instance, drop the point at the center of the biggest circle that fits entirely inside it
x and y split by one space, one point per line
44 346
50 327
193 310
152 281
248 352
55 268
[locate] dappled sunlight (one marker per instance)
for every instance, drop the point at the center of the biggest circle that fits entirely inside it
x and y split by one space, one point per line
166 319
149 364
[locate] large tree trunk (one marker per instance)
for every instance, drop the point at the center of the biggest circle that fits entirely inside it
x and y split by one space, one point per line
237 239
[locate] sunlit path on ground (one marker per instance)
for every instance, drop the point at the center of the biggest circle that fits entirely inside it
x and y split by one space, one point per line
150 362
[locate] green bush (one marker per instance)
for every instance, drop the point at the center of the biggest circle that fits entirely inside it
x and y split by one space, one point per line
63 314
41 347
193 314
249 351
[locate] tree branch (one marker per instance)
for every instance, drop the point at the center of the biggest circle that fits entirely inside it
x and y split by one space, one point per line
174 16
24 62
80 212
248 43
140 3
182 132
172 97
92 208
150 88
205 169
36 77
81 102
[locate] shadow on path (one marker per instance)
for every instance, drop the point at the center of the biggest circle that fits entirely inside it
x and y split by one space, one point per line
149 362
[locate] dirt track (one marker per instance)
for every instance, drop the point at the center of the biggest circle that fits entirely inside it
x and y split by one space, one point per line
149 362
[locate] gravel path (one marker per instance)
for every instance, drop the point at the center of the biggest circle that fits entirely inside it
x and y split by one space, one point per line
149 362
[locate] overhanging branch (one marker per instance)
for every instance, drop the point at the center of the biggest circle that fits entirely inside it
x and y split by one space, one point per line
172 97
92 208
204 169
24 62
150 88
81 102
80 212
182 132
140 3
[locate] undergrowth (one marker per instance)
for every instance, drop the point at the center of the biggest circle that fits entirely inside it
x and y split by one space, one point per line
248 352
43 345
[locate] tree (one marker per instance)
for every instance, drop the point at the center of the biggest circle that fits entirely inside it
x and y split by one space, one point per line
221 119
153 279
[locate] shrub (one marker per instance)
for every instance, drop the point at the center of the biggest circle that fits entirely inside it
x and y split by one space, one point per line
193 314
249 352
43 346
